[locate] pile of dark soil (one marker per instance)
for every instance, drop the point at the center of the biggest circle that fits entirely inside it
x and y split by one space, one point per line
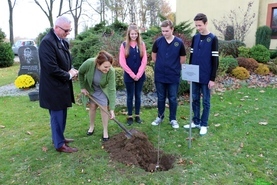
138 151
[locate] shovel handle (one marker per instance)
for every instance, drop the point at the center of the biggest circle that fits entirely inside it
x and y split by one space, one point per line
102 108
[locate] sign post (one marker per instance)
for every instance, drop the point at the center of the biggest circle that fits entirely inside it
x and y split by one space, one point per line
190 73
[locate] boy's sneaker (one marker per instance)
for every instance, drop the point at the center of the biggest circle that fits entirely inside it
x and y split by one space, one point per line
157 121
203 131
174 124
192 126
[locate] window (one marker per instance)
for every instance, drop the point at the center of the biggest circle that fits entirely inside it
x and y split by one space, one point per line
272 19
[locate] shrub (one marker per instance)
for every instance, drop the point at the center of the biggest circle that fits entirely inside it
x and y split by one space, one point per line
273 53
226 65
248 63
229 47
148 85
6 55
24 81
240 73
244 51
41 35
260 53
262 70
263 36
183 87
119 78
2 35
229 33
112 44
273 68
273 61
84 49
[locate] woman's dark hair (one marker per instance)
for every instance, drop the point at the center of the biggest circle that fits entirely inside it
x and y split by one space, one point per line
104 56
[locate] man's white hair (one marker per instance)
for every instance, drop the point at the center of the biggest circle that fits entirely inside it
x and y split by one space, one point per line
62 19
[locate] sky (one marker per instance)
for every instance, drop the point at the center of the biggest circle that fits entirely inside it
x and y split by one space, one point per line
28 19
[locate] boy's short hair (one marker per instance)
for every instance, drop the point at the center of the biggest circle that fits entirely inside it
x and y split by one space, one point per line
167 23
201 17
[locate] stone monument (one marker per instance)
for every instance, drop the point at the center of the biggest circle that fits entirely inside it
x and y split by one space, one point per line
29 61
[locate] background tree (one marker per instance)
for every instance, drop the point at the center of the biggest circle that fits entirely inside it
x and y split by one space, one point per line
241 22
75 11
11 7
100 8
118 9
165 10
49 11
153 12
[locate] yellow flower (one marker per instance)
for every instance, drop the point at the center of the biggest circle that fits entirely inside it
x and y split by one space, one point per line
24 81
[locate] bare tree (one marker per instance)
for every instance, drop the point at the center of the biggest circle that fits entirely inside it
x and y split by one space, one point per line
118 9
49 11
11 7
75 11
241 24
99 9
153 11
165 10
132 10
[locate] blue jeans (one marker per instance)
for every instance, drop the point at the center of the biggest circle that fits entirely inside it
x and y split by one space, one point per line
197 89
164 89
134 88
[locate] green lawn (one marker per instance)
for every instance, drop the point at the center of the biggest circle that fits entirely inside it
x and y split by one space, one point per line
240 147
9 74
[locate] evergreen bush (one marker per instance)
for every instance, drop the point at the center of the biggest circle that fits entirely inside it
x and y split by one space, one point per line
263 36
84 49
240 73
273 68
6 55
226 65
149 85
119 79
273 53
260 53
229 47
244 51
229 33
262 70
183 87
2 35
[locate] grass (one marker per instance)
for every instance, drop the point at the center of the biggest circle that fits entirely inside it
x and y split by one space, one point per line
238 148
9 74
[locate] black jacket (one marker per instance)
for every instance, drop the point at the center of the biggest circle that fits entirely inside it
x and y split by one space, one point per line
55 88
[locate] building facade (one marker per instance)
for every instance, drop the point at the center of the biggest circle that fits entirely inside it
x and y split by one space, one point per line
265 14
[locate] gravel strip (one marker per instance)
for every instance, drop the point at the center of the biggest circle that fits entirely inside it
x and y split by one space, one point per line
11 90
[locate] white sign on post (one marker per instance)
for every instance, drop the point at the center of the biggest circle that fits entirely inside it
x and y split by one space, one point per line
190 72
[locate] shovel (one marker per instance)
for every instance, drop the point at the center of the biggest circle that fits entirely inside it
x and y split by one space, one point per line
128 133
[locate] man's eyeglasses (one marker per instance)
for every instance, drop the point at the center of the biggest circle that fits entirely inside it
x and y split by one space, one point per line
65 29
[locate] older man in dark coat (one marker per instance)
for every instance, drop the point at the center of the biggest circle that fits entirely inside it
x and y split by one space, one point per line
55 89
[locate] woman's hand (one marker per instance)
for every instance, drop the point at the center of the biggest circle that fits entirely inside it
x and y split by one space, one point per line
84 92
112 114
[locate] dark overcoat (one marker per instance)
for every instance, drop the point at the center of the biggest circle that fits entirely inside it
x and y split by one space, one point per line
55 86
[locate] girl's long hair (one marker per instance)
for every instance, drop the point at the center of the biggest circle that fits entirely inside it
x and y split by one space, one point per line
133 26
